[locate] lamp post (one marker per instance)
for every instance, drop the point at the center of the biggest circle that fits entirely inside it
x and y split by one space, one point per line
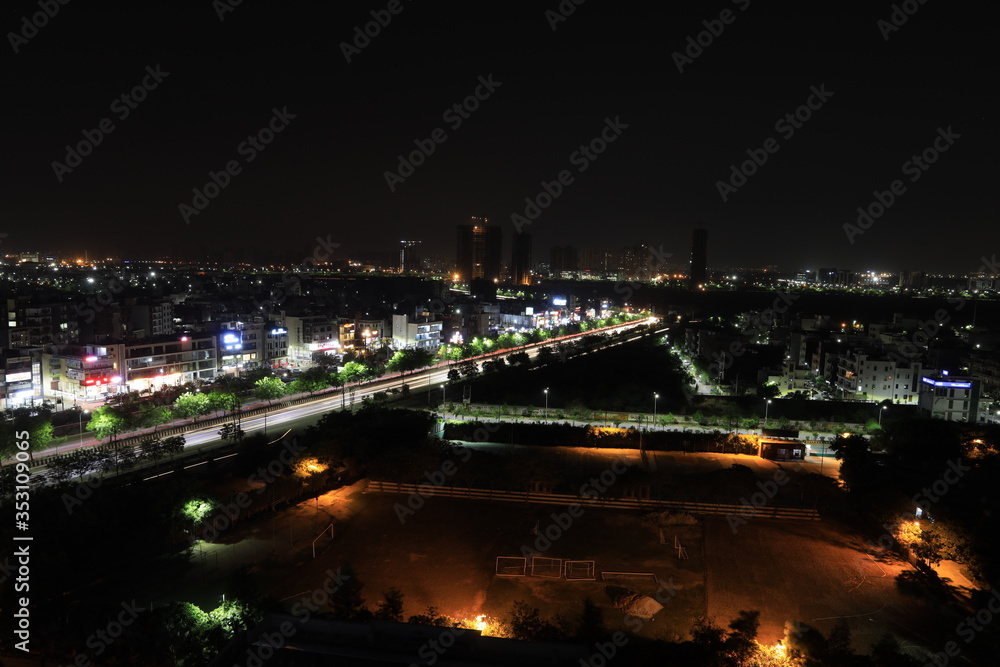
82 413
880 415
546 392
655 396
767 406
444 393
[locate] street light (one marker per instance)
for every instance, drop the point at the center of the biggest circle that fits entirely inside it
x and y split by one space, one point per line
880 415
546 392
82 413
767 406
655 396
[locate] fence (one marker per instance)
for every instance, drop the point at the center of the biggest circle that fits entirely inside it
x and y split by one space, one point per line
768 512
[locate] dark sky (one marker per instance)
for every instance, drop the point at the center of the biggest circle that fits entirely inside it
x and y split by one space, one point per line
324 173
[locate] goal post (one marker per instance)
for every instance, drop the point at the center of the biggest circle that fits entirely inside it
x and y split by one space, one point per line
511 566
580 570
546 567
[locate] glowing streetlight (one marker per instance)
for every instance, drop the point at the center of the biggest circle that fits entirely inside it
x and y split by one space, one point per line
655 396
880 415
546 392
767 407
82 413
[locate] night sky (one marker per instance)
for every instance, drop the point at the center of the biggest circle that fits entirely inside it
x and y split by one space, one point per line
324 174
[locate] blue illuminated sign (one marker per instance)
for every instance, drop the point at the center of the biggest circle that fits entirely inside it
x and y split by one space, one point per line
957 385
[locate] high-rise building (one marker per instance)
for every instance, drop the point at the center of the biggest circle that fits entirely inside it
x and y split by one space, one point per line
563 258
409 256
480 249
520 258
698 274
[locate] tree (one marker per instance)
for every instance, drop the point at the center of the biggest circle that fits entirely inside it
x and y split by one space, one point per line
152 415
353 372
314 379
768 390
519 359
151 449
527 624
404 361
231 432
857 468
173 445
468 368
741 643
107 422
224 401
192 404
346 600
269 389
391 606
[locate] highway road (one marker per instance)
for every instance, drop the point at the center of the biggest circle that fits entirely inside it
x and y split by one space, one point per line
281 419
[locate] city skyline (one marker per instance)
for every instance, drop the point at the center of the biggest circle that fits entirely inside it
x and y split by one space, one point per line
773 132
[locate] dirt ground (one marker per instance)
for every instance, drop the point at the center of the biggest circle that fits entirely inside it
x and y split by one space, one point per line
444 555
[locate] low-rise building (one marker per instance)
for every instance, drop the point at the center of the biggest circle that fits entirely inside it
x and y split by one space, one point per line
950 397
173 360
421 333
309 335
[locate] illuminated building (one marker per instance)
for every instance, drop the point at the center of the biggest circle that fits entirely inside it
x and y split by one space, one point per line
480 249
950 397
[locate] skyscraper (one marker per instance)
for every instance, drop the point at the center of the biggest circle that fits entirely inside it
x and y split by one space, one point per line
480 249
698 273
520 258
409 256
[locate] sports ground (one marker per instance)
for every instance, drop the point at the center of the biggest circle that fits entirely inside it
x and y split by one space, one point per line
445 555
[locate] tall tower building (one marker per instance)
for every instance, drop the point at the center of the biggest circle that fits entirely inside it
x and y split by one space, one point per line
480 249
698 273
520 258
409 256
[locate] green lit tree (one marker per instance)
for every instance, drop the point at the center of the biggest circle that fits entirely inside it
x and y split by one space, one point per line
192 405
269 389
